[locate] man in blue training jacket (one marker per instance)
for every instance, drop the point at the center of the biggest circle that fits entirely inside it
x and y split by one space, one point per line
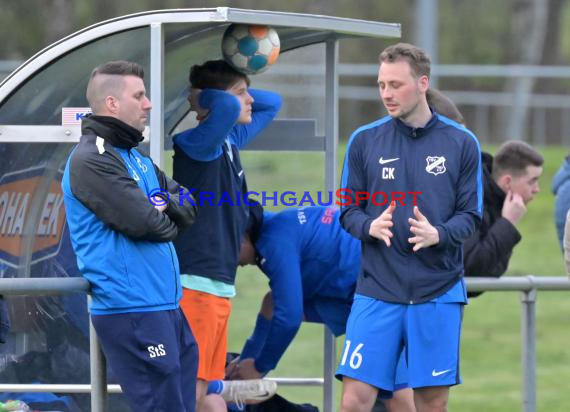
410 292
312 265
123 245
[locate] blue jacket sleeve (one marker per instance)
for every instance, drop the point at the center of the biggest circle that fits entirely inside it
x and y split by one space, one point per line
353 216
102 184
561 190
265 107
284 271
469 200
204 142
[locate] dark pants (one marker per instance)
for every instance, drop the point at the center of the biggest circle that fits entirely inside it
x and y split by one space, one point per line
154 357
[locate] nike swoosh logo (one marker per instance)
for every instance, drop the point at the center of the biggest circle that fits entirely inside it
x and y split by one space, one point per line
434 373
382 161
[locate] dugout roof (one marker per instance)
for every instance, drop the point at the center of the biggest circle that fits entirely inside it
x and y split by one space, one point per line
166 43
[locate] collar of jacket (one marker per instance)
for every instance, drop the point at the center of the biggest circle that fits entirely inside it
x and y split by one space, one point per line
493 192
114 131
416 132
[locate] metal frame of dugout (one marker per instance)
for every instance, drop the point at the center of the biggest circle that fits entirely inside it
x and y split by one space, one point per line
165 41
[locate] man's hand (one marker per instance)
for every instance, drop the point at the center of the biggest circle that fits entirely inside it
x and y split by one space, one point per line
231 369
158 203
201 113
245 369
513 208
380 227
182 213
425 234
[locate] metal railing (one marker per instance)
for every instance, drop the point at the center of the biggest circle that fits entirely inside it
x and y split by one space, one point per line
527 285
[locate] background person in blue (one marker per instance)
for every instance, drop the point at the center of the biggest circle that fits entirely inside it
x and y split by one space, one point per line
312 264
206 158
123 245
410 292
561 190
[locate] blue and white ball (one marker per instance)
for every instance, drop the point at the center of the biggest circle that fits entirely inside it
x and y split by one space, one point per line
250 49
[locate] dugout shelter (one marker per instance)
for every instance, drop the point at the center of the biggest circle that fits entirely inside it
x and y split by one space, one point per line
41 104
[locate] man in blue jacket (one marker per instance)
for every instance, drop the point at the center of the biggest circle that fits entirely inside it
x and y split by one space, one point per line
123 244
561 190
410 292
312 265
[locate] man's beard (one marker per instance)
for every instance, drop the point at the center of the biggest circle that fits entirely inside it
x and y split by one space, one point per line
404 116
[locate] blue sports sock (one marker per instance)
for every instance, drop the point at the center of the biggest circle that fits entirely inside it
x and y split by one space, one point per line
255 342
215 387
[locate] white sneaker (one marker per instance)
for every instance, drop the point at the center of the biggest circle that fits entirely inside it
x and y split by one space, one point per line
248 391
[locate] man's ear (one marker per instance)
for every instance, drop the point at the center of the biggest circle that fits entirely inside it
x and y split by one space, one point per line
423 83
505 181
112 104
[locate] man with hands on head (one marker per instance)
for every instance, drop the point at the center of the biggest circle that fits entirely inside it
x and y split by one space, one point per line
207 159
410 292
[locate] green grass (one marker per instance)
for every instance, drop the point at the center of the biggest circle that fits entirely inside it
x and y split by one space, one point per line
491 357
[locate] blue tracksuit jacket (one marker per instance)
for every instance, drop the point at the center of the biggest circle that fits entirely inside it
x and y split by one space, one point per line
561 189
307 257
441 163
122 242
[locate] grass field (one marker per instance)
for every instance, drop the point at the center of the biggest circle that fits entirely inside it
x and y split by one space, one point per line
491 366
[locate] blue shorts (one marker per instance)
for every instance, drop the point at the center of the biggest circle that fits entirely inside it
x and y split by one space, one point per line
378 333
154 357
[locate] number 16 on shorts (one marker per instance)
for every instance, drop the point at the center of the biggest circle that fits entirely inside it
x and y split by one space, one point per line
355 359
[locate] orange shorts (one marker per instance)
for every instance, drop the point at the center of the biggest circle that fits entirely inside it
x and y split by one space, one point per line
208 317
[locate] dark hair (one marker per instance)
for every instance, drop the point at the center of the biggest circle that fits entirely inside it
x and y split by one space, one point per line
513 157
120 68
443 105
215 74
255 221
111 85
416 57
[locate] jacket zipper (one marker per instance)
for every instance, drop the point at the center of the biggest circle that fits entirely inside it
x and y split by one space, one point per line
173 271
414 177
135 165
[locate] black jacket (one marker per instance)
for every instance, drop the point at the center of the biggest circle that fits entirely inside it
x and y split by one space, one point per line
487 252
